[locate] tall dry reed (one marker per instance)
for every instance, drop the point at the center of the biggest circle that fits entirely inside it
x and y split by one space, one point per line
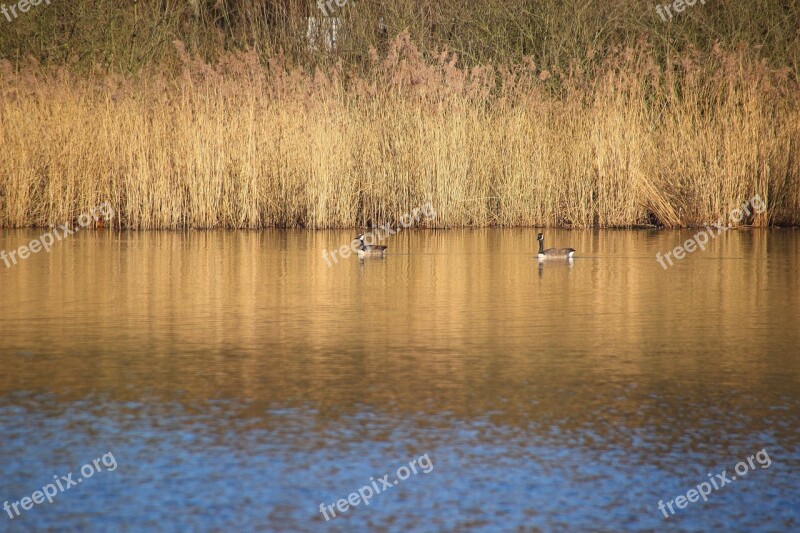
241 145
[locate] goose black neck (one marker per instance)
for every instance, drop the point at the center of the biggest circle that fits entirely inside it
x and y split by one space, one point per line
541 246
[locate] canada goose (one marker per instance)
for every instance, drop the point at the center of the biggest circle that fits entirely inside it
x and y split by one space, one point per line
553 253
369 250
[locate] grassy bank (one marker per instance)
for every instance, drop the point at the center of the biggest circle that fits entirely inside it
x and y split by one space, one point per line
239 144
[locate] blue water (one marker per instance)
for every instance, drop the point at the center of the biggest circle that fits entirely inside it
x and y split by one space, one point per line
270 470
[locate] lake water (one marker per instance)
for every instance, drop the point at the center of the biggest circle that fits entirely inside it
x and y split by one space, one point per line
239 381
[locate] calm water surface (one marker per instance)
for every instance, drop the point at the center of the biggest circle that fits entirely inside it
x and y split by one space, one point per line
240 382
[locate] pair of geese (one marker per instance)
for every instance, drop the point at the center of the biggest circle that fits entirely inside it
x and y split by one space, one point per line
373 250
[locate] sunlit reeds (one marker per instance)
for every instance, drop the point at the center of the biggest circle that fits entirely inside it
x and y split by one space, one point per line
238 144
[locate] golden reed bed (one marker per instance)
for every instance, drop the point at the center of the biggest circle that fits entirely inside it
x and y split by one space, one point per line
241 145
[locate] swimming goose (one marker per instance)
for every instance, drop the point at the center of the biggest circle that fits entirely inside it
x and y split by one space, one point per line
369 250
553 253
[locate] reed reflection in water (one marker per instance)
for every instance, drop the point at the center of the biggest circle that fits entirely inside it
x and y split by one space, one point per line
240 381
